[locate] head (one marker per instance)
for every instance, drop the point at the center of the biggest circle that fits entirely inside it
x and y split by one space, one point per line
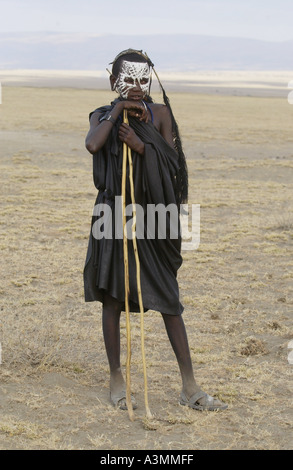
131 75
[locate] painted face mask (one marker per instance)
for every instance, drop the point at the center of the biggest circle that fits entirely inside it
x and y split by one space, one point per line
130 74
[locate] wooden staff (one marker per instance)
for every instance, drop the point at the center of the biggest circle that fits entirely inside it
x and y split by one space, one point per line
127 150
126 279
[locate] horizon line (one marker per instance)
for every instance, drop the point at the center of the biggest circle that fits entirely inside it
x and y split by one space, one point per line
93 34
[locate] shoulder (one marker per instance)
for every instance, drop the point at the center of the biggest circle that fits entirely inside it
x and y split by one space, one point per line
94 116
159 108
161 114
99 111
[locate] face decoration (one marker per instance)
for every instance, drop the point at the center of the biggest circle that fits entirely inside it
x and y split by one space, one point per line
131 74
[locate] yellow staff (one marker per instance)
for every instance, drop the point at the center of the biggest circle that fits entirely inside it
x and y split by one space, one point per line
127 152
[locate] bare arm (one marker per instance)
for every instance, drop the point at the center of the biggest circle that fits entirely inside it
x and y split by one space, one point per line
166 125
99 131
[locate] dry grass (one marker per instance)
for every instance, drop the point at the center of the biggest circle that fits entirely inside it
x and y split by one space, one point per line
236 288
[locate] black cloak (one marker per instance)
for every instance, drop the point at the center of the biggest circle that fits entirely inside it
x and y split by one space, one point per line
154 175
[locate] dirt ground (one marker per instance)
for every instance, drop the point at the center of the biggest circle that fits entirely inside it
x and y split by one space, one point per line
236 288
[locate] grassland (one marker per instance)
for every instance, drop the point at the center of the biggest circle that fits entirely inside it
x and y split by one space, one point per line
236 288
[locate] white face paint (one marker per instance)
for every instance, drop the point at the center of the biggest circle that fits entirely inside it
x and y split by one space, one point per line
130 74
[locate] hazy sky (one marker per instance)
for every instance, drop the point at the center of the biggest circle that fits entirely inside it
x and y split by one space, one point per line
259 19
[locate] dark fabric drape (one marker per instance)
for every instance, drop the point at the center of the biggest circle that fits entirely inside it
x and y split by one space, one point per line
154 181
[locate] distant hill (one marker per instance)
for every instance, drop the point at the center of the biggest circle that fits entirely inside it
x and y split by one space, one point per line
68 51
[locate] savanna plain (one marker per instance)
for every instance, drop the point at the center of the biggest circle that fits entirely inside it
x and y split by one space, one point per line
236 287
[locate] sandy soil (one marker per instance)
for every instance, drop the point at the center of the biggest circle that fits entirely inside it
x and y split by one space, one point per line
236 288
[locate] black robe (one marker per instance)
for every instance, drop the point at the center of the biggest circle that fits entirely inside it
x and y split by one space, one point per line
154 175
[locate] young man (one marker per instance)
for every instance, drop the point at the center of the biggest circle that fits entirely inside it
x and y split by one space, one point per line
160 177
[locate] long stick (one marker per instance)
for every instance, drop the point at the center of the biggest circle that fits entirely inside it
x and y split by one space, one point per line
137 262
126 281
148 412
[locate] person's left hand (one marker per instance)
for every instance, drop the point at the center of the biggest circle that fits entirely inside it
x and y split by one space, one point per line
127 135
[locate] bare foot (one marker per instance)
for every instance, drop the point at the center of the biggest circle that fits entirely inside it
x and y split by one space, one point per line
200 400
118 391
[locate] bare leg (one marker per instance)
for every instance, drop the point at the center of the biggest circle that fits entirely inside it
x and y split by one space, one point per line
178 338
111 331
